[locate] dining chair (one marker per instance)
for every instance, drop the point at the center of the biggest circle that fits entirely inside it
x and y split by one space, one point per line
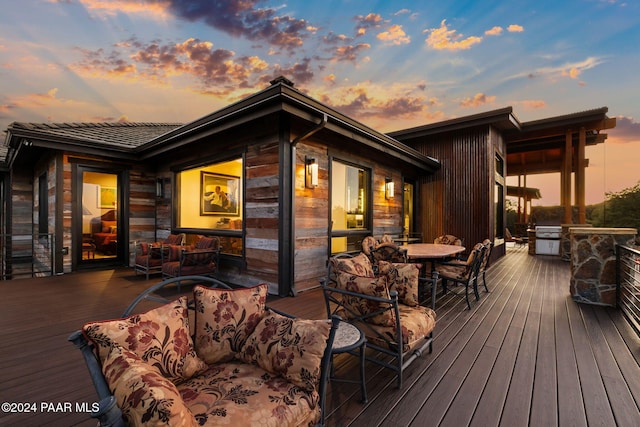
463 273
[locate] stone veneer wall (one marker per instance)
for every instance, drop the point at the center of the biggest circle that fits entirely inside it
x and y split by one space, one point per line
593 263
565 240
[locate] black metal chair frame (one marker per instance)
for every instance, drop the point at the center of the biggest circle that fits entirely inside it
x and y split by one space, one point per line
109 414
401 360
470 279
484 266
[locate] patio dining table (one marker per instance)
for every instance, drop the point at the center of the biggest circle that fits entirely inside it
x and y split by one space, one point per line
418 252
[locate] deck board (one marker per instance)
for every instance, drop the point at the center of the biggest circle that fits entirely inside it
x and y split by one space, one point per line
525 354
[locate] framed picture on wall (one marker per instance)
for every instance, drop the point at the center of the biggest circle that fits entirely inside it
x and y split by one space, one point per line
108 197
219 194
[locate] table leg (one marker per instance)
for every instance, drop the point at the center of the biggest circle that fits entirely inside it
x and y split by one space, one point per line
363 387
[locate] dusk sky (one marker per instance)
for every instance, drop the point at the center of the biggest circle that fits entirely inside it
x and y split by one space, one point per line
389 64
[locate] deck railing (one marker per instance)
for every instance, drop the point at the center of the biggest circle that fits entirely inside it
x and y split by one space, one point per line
628 284
26 255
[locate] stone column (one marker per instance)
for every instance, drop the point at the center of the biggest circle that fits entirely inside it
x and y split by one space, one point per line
593 263
565 240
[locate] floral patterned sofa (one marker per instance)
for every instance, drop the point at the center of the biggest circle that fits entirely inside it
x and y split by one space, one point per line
245 365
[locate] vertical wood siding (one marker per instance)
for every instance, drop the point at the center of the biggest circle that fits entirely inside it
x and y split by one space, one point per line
458 199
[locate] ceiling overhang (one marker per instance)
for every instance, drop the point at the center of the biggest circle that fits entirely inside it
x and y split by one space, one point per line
539 146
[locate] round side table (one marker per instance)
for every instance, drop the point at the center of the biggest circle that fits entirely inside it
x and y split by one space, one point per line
348 338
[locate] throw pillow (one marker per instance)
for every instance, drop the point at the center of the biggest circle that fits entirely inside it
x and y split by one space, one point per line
199 257
357 306
145 397
160 337
359 265
225 318
291 348
207 243
404 279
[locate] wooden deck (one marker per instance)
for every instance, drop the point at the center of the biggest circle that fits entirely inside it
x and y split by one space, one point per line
525 354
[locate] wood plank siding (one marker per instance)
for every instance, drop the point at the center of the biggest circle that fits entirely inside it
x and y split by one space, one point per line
311 220
262 212
525 354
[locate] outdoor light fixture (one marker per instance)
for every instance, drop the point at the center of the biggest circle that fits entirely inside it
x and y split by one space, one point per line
160 188
388 188
311 172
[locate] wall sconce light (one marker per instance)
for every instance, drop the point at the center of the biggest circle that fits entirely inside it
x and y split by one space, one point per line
160 188
389 188
311 172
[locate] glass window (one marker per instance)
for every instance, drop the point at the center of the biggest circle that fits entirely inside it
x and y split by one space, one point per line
349 206
210 198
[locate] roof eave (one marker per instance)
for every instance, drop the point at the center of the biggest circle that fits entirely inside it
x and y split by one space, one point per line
502 118
281 97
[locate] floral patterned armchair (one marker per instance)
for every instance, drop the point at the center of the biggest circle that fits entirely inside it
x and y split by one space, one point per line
149 370
385 306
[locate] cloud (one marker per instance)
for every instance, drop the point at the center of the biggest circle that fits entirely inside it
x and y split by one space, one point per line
364 23
445 39
395 35
349 53
532 104
626 131
101 8
572 72
300 72
244 19
572 69
156 61
495 31
477 100
514 28
367 101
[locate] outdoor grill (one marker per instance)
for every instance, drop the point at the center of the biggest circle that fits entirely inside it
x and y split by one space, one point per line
548 239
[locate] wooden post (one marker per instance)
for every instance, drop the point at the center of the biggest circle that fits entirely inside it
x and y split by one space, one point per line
580 178
565 178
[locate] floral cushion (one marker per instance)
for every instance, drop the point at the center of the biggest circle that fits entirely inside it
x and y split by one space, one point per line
448 239
241 394
225 318
160 337
292 348
458 269
358 306
402 278
360 265
145 397
369 243
416 323
388 251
